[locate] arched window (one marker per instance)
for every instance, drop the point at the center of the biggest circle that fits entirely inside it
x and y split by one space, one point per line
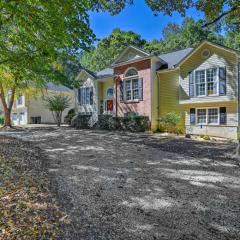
131 72
109 92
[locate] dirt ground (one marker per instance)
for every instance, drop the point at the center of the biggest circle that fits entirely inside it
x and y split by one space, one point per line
140 186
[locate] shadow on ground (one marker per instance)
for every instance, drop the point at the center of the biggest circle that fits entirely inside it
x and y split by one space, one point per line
135 186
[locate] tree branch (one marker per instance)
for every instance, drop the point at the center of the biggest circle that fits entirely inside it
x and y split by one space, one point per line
220 17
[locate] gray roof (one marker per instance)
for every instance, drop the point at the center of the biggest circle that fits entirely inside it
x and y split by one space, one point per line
108 72
58 87
173 58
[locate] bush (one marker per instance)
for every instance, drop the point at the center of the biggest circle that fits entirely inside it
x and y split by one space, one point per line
1 120
169 123
104 122
69 117
206 137
81 122
132 123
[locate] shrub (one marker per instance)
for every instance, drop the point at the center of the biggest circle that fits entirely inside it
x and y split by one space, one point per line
81 122
104 122
169 122
1 120
132 123
69 117
206 137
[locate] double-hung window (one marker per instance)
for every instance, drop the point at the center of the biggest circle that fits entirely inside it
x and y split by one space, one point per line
208 116
212 82
133 89
85 96
207 82
213 116
201 116
200 83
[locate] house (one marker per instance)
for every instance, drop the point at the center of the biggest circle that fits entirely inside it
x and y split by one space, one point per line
30 107
200 84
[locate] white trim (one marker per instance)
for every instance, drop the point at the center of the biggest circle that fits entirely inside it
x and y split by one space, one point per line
125 50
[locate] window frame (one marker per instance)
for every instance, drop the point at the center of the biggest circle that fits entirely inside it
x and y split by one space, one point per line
132 76
206 82
207 116
85 99
109 88
131 89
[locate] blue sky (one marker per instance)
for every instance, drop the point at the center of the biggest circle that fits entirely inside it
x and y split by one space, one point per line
138 18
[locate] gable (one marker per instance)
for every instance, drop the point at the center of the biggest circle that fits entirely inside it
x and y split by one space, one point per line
130 54
217 57
83 76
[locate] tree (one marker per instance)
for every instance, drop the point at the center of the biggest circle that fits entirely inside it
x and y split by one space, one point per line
109 48
214 11
57 104
189 34
34 35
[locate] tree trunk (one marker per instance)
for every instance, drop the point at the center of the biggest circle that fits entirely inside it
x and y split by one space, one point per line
7 109
7 118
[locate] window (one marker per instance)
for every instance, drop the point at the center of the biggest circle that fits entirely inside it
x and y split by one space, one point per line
14 117
133 89
213 116
200 83
207 82
131 114
109 92
85 96
212 81
131 72
201 116
205 53
20 100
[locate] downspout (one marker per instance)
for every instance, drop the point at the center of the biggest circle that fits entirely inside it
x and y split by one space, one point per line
116 99
238 88
158 96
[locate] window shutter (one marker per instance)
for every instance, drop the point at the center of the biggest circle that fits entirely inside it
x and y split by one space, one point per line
192 115
222 80
223 115
191 84
121 91
140 84
79 96
91 95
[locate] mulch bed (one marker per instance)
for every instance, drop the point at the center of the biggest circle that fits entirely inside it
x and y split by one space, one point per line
27 208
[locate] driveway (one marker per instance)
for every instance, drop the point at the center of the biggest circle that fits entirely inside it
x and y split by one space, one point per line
138 186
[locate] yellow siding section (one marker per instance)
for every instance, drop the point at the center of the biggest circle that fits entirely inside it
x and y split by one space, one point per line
155 104
169 94
107 84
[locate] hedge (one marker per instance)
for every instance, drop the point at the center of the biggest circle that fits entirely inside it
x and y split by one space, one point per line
108 122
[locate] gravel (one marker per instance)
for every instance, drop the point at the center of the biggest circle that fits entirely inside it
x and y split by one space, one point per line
141 186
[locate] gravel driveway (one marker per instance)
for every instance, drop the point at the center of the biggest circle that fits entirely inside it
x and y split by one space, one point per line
138 186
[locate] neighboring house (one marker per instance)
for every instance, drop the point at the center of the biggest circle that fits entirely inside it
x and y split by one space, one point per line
30 107
200 84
